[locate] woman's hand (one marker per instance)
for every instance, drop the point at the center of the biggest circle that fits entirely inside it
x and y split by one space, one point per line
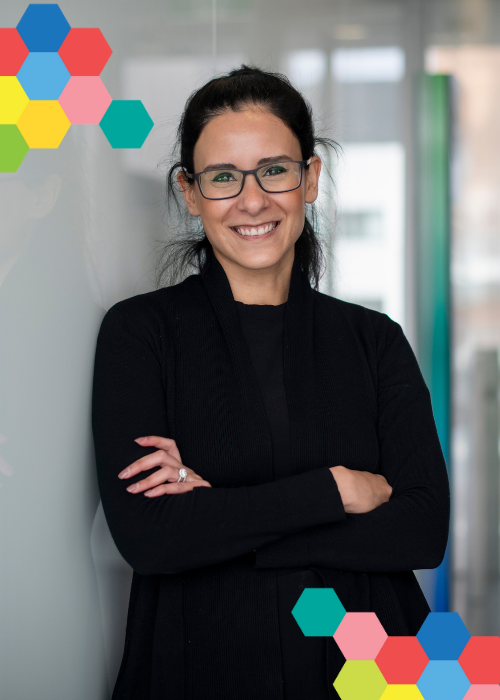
169 459
361 491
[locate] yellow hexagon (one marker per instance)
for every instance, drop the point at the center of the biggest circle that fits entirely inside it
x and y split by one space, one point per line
43 124
13 99
401 692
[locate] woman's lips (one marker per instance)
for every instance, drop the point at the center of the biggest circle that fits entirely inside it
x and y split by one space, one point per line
258 237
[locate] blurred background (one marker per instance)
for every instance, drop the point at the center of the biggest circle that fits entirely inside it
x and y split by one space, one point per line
410 89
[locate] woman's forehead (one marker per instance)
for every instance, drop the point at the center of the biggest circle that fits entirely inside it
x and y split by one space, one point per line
248 135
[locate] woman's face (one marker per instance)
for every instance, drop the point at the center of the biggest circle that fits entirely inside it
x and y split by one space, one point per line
241 140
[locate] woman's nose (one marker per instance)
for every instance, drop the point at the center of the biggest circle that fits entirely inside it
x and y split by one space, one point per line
252 196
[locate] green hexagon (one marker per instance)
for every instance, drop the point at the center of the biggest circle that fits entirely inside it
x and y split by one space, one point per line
360 680
318 612
13 148
126 123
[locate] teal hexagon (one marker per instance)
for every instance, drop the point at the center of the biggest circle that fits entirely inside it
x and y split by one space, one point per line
13 148
126 123
318 612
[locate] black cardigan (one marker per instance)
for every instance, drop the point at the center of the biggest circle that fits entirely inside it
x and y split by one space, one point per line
202 619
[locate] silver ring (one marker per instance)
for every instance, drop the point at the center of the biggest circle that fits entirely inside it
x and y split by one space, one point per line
182 473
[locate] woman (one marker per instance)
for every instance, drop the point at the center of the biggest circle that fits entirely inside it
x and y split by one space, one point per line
267 437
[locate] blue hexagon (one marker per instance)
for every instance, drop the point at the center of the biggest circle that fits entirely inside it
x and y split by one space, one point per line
43 76
443 680
318 612
443 635
43 27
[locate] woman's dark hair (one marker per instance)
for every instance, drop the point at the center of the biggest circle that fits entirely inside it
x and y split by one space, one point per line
241 87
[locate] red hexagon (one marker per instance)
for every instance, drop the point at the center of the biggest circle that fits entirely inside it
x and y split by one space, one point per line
85 51
480 660
13 51
402 660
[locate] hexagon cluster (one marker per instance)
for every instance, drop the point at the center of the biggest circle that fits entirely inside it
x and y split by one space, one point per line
49 79
442 661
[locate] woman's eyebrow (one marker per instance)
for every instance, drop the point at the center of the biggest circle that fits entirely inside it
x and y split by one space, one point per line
262 161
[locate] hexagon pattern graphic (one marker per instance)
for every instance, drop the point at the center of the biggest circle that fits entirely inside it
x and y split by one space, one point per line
402 660
483 692
13 51
43 124
381 667
318 612
13 148
360 680
443 679
49 79
480 660
43 27
85 99
126 123
13 99
401 692
85 51
360 636
43 75
443 636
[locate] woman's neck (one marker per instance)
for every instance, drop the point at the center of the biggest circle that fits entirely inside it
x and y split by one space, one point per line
261 286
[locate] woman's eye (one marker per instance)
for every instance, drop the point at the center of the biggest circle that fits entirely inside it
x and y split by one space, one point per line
223 177
275 170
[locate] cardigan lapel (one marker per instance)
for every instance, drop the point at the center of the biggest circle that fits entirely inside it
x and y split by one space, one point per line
297 359
255 429
299 371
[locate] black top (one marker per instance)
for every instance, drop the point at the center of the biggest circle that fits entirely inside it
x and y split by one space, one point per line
203 615
304 658
263 327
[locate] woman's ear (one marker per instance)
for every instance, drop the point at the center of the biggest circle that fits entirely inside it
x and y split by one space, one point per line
312 179
187 186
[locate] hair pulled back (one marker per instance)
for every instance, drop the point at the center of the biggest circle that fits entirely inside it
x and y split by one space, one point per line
247 85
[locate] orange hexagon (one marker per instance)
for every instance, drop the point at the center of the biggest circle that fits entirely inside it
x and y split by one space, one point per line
43 124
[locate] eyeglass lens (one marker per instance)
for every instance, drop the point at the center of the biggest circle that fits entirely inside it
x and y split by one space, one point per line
276 177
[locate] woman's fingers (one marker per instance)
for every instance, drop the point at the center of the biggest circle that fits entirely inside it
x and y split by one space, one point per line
180 487
361 491
160 458
161 443
169 474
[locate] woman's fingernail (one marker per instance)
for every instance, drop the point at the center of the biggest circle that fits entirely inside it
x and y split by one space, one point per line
123 474
149 493
139 439
132 488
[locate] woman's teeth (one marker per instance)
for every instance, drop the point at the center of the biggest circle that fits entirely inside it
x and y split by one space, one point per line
256 231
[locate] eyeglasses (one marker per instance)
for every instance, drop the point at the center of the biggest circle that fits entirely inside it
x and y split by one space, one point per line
223 183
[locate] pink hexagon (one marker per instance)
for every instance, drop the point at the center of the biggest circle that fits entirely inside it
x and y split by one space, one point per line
483 692
360 636
85 99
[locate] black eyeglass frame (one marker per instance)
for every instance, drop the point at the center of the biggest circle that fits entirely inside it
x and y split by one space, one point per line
196 176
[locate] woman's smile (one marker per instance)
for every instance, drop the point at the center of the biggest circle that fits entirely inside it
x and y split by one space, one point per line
257 231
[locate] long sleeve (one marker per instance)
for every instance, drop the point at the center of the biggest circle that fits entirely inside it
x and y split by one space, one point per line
178 532
410 531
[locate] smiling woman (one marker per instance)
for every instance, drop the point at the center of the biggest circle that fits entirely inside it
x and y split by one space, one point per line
273 438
